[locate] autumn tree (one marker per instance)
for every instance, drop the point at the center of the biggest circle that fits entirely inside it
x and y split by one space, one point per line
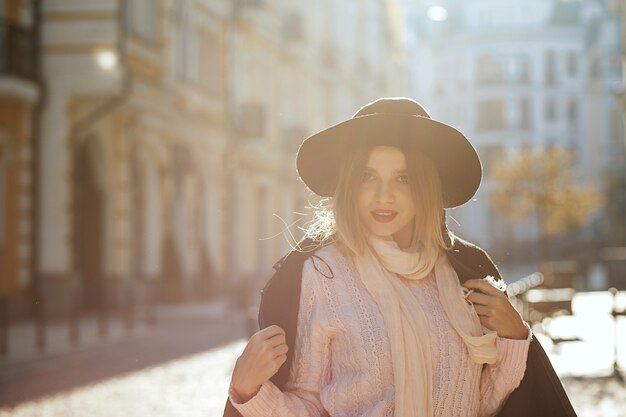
540 183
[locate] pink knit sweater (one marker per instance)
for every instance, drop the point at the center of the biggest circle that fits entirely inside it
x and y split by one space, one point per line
342 360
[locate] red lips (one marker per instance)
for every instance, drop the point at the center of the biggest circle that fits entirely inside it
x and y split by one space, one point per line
383 216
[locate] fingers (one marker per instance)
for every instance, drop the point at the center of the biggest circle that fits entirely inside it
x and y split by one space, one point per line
495 311
276 340
262 357
279 361
478 298
275 364
273 335
493 304
271 331
488 317
483 311
272 350
280 357
270 343
281 350
482 286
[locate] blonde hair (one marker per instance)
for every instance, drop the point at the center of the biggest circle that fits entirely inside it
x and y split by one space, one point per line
337 219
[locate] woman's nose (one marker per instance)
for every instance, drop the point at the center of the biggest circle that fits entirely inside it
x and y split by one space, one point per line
383 192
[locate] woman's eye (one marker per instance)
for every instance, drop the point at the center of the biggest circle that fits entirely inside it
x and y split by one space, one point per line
367 176
403 179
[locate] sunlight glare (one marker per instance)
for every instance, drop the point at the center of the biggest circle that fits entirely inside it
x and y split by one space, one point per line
437 13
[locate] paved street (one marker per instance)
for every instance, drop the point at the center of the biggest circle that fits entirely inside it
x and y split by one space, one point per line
192 386
189 355
183 369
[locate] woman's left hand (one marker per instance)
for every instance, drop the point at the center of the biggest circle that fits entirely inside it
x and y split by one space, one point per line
495 311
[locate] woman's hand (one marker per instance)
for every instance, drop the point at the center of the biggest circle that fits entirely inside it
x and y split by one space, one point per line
265 352
495 311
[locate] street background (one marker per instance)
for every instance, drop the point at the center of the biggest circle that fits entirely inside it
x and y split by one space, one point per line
148 183
183 366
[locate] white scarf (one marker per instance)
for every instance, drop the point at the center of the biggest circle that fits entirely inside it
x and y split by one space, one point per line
406 321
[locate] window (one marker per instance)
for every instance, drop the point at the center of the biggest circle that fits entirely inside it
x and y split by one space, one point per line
550 110
193 53
491 115
141 18
572 64
550 68
526 117
185 53
17 11
595 68
179 52
509 68
211 63
197 56
572 111
490 70
616 126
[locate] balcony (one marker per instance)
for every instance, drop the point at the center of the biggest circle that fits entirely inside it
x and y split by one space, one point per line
17 51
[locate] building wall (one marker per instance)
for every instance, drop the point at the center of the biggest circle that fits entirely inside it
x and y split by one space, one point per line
191 128
516 74
19 93
15 243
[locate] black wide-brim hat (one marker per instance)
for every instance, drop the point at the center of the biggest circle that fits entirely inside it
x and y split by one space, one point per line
400 122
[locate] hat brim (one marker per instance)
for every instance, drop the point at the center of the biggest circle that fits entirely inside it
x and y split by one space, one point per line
320 155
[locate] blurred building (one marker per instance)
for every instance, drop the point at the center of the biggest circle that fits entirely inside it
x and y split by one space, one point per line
297 68
20 95
167 139
513 74
618 186
618 8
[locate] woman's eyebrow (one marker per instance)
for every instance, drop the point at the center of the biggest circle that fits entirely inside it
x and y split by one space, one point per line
398 171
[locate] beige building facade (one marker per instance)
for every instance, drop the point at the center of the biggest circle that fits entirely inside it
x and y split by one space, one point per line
168 135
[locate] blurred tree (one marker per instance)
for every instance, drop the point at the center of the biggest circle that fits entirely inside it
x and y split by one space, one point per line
539 182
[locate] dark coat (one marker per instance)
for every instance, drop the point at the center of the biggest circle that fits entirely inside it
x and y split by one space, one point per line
540 393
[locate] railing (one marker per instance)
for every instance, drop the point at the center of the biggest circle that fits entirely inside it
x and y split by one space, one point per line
17 50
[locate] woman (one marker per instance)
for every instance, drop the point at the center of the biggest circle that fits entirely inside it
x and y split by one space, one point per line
384 327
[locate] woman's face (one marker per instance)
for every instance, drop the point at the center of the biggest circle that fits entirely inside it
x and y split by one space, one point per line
384 199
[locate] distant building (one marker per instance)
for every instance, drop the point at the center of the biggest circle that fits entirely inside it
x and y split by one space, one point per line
618 184
167 137
513 74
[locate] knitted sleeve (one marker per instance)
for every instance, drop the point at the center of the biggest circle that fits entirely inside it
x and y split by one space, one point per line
498 380
310 370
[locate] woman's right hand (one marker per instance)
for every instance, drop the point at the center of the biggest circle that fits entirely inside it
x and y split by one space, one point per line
265 352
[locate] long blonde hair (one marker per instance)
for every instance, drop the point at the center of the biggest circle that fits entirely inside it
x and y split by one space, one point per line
337 219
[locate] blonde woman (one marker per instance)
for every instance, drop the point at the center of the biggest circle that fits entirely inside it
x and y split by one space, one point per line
393 315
